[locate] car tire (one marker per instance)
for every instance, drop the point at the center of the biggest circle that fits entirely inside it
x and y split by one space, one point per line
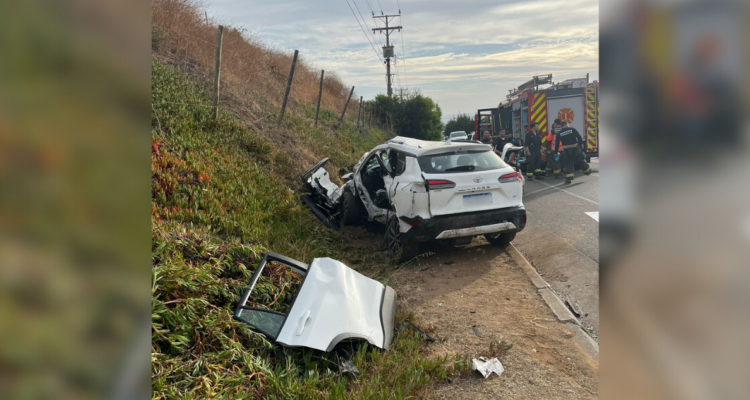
350 209
397 250
500 239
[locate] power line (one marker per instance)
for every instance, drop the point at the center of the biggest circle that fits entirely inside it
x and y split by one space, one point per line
369 5
381 8
363 18
363 31
380 39
403 49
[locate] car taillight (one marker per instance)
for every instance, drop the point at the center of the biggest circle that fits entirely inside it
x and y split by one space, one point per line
416 221
440 184
511 177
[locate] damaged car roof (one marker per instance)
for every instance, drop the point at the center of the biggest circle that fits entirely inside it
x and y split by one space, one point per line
334 303
422 147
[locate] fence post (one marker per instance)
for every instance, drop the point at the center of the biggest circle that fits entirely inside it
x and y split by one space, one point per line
288 87
320 94
346 105
359 115
217 71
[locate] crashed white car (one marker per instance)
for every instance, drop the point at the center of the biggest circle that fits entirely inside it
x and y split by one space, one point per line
334 304
425 191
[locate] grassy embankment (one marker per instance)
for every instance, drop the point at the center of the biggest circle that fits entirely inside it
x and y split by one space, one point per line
222 195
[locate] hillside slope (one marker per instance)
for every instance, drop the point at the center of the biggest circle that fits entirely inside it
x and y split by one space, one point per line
222 195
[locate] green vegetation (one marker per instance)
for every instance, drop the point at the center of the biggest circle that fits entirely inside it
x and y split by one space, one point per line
461 122
221 197
416 116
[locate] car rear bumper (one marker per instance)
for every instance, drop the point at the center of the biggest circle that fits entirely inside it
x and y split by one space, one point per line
468 224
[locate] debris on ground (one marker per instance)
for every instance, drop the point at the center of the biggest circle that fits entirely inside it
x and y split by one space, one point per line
346 366
476 331
416 330
487 367
575 310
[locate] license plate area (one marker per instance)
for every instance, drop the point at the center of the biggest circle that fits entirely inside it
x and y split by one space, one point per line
477 199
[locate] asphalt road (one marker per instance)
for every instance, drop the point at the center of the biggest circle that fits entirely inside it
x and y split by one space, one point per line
562 241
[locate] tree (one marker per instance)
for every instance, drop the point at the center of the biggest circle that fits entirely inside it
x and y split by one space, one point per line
417 116
461 122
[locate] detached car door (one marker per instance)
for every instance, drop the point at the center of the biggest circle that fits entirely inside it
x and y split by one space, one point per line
334 303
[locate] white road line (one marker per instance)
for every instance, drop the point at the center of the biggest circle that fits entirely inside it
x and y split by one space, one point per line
536 191
594 215
570 193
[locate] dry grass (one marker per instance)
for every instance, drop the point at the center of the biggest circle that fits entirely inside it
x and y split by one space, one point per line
251 73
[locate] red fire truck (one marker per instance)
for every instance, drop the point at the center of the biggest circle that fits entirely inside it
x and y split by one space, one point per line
574 100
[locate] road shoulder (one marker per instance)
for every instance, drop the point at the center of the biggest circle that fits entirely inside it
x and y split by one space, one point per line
557 306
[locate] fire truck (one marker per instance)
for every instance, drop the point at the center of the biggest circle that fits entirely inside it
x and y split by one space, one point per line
574 100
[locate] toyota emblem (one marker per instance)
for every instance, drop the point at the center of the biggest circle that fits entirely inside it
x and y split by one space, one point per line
477 179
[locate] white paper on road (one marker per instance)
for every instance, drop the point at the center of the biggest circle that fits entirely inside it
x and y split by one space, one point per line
594 215
487 367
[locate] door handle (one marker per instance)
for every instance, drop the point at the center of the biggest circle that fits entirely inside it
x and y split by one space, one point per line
304 320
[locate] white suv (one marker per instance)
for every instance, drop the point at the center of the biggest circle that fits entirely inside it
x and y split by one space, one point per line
424 191
457 135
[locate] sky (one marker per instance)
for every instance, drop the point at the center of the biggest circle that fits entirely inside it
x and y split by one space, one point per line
465 54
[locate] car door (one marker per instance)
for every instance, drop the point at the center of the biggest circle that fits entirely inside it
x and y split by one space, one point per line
372 168
333 303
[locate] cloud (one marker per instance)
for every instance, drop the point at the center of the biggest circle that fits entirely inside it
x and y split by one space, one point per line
466 55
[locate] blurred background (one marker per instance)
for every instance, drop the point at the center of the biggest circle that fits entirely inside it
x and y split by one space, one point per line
675 209
74 199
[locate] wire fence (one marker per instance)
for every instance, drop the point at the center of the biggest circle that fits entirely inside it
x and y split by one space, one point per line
251 76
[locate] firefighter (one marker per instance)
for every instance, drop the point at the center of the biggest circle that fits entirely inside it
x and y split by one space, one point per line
533 147
553 166
570 140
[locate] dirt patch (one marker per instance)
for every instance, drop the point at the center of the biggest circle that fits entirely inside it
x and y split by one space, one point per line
456 289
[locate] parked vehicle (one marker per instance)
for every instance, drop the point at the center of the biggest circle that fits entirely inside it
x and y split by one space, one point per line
425 191
458 135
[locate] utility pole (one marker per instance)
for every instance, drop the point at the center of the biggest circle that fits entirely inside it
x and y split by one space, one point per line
387 49
401 93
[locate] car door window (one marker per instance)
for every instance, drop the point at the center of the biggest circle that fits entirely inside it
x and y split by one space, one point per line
267 322
262 309
384 155
400 164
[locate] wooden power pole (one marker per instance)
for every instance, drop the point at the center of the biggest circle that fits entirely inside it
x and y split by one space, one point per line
388 49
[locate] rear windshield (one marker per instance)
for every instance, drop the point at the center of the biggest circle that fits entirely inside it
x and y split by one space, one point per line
456 134
460 161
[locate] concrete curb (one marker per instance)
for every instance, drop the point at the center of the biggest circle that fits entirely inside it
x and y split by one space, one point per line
557 306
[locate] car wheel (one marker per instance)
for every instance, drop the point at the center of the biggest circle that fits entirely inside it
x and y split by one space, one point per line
500 239
396 249
350 209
